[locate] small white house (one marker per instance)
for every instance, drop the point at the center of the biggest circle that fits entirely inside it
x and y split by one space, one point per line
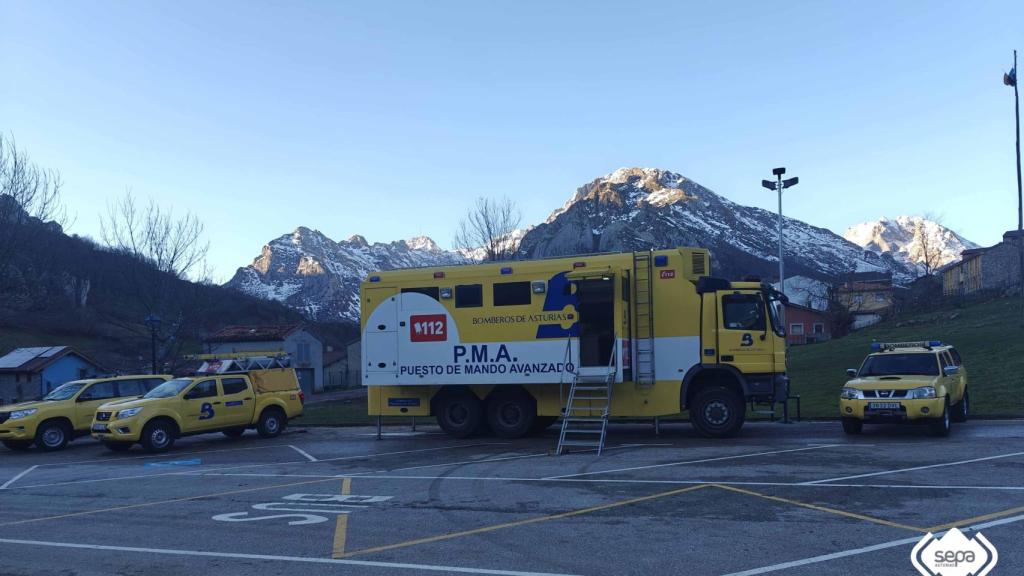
305 349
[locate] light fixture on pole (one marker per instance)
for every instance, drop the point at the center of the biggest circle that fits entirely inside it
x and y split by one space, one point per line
780 185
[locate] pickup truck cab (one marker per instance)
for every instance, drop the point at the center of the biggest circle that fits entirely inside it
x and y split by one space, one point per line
67 411
230 403
907 382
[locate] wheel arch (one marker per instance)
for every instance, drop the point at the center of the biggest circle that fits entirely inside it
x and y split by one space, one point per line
700 376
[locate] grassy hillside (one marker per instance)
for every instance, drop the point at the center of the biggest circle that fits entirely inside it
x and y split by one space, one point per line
989 335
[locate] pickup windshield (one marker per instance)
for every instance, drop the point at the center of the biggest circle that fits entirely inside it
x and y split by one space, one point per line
169 389
65 391
900 365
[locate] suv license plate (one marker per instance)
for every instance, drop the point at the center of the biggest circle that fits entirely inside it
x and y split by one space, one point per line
883 405
99 428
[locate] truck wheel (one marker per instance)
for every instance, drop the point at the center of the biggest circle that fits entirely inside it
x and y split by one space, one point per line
118 446
234 432
18 445
157 436
511 412
542 423
940 427
717 412
459 413
853 426
272 423
53 435
961 408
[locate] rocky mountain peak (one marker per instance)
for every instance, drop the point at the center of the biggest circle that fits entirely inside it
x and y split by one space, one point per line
916 241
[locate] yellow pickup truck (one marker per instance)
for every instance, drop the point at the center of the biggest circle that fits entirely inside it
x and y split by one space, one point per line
230 403
67 411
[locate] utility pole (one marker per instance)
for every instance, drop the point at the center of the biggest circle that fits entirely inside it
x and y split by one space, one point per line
1010 79
780 185
153 321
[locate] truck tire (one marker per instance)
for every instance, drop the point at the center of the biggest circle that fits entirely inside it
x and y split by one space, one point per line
118 446
961 408
53 435
18 445
272 422
853 426
511 412
717 412
940 426
459 413
158 436
234 432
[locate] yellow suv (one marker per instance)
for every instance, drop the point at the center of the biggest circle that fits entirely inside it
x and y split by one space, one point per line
67 411
912 382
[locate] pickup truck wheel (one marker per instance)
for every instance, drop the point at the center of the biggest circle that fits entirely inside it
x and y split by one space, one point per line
459 413
234 432
853 426
272 423
717 412
940 427
118 446
157 436
18 445
961 408
53 435
511 412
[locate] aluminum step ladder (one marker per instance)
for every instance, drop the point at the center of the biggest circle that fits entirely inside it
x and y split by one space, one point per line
643 302
585 417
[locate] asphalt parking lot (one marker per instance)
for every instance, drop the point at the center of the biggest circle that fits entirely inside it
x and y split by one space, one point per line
797 499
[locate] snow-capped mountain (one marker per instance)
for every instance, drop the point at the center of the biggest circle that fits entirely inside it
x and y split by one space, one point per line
642 208
921 244
308 271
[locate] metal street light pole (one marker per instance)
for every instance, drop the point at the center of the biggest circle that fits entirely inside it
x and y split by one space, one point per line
1011 80
780 185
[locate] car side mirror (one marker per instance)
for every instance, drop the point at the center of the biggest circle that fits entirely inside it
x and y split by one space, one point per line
951 370
851 372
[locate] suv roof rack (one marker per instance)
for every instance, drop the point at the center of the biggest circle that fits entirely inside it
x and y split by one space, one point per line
889 346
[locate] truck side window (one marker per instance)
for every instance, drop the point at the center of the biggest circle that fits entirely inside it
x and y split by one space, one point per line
956 357
130 388
512 293
469 296
233 386
743 312
432 291
205 389
98 391
150 383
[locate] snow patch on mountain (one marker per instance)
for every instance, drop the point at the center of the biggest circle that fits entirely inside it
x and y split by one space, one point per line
921 244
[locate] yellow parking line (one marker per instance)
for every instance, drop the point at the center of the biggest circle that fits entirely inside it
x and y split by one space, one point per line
524 522
977 519
341 524
158 502
820 508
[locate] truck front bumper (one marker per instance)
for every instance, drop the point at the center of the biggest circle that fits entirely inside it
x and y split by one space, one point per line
125 430
898 410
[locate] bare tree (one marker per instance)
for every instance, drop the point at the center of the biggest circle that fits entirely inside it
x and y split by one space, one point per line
27 193
490 226
929 250
154 235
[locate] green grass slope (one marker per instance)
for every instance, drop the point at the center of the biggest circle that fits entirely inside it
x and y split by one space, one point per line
989 336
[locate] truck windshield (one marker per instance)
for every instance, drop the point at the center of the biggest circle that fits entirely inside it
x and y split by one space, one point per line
65 391
900 364
169 388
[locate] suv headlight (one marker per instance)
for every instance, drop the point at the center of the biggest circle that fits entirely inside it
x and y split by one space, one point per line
923 392
851 394
22 413
128 412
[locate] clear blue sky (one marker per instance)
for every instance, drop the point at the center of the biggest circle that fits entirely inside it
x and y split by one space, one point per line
387 119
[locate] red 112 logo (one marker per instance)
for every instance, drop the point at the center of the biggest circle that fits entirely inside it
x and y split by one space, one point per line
428 328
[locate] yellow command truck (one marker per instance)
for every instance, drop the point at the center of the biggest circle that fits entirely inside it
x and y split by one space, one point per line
501 343
220 402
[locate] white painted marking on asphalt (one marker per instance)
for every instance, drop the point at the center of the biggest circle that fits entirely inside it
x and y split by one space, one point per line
169 455
260 465
718 459
865 550
273 558
928 467
308 456
18 477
